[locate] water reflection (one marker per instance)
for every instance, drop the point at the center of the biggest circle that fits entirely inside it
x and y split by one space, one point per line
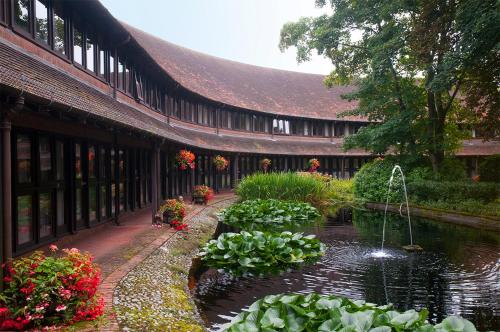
458 273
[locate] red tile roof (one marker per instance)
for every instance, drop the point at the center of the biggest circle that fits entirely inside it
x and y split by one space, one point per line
247 86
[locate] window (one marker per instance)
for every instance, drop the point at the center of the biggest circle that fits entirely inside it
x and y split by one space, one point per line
46 215
24 219
102 63
59 30
112 70
121 70
78 47
45 159
139 90
127 81
23 159
3 11
22 17
41 21
89 64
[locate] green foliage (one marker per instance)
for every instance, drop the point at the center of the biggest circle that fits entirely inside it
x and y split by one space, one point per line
489 169
424 191
268 213
255 253
371 182
284 186
409 61
341 190
314 312
469 206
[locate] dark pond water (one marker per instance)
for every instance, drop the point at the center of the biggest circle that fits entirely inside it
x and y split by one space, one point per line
458 272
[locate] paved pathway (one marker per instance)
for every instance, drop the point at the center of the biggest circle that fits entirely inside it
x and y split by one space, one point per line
119 248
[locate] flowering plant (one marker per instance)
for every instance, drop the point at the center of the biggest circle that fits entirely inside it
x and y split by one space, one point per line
203 191
50 290
313 164
220 163
174 208
185 159
265 163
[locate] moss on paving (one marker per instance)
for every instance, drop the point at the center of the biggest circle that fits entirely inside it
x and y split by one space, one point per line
154 296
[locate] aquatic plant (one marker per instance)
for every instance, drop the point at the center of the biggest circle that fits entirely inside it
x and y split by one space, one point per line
261 214
315 312
255 253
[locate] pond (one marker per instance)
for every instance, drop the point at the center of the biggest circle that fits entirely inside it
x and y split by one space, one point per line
457 273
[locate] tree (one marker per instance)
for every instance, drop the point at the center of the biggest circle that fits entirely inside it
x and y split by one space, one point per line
420 67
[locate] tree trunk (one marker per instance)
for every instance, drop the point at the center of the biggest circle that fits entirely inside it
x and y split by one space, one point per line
437 118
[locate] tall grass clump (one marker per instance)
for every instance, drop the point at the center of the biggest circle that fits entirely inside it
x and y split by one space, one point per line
285 186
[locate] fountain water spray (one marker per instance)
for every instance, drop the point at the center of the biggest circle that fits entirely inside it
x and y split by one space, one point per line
411 247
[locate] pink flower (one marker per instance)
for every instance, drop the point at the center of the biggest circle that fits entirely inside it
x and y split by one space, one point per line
60 307
74 251
39 308
53 247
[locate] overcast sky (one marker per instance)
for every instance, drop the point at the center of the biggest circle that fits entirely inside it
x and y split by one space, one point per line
240 30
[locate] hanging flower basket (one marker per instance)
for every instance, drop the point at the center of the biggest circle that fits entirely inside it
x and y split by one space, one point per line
265 163
202 194
220 163
313 165
185 159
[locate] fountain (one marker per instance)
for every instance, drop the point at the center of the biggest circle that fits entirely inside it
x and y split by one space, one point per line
411 247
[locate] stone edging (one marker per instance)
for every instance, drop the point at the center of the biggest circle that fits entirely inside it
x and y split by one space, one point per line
449 217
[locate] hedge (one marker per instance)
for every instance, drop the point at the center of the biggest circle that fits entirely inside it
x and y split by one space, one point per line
425 191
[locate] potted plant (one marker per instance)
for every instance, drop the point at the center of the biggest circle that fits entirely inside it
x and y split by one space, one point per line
220 163
185 159
313 165
202 194
172 209
265 163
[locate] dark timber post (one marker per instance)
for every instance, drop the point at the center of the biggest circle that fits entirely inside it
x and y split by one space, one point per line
6 132
155 179
5 127
235 171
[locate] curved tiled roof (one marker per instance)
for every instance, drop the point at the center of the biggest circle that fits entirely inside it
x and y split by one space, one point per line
246 86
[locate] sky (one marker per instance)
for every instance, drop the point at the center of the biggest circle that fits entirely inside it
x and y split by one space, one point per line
241 30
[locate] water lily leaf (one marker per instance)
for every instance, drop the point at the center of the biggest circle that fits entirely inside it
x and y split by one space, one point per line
271 319
329 325
325 304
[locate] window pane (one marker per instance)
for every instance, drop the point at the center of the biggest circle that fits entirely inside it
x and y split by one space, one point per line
42 21
78 161
112 70
102 67
21 13
60 207
91 159
121 164
92 203
45 202
121 69
103 200
45 159
24 219
60 160
102 163
23 159
59 31
122 196
127 80
78 47
90 55
78 201
113 197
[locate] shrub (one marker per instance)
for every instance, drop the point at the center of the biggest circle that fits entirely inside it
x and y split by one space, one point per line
426 191
284 186
452 169
489 169
314 312
371 182
48 290
268 213
255 253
